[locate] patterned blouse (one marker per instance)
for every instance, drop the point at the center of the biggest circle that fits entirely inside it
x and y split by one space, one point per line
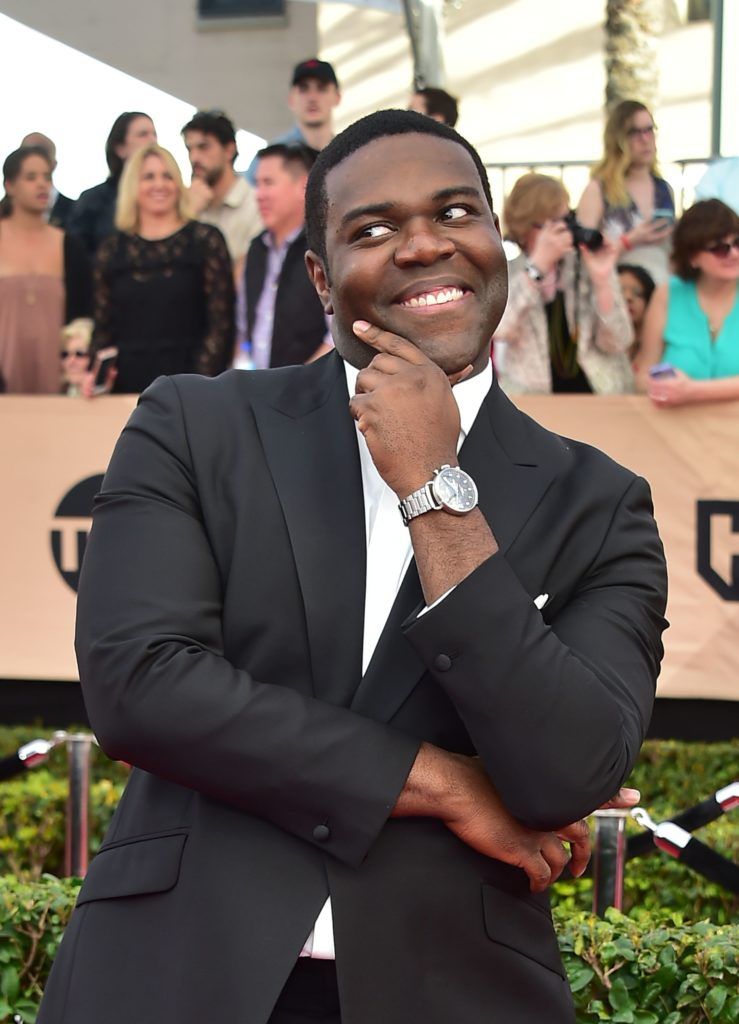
167 304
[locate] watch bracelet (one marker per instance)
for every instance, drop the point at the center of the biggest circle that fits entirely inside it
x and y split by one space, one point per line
418 502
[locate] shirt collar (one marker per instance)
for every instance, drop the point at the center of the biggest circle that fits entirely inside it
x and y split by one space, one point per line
288 240
469 394
237 193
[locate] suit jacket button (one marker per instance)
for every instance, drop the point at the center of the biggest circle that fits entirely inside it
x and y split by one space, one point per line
321 833
442 662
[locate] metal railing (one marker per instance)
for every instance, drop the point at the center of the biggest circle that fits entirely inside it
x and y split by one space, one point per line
77 828
611 850
683 176
673 837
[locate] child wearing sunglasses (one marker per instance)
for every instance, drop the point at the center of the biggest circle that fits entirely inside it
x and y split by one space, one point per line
691 328
74 355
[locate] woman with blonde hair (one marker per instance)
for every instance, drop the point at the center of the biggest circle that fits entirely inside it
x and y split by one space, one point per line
164 293
626 197
565 327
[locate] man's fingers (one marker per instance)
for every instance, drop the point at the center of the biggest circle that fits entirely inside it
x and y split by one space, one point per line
384 341
388 364
578 836
367 380
555 854
539 872
357 407
623 800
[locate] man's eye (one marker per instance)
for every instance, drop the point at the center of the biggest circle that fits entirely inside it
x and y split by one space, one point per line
374 231
455 212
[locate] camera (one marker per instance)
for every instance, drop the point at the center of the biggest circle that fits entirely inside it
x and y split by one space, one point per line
591 238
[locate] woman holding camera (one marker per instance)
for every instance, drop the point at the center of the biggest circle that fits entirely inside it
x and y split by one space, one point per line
691 329
565 328
627 199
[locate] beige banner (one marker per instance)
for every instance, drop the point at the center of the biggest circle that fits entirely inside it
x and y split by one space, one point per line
52 450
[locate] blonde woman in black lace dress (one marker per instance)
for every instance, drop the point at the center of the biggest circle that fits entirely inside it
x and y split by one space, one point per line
164 293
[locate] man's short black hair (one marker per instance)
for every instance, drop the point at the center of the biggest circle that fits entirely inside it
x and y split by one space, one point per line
215 123
296 155
441 103
379 125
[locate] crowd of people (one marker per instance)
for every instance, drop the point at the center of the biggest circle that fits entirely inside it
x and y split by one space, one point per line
160 277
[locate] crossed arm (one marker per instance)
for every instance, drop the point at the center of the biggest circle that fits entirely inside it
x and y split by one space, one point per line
162 695
398 396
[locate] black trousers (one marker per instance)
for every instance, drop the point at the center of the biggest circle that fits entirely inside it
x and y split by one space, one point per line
310 995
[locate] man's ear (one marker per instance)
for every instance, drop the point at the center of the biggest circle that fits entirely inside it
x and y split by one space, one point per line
319 277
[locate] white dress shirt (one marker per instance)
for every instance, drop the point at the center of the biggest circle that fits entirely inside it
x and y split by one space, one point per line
389 552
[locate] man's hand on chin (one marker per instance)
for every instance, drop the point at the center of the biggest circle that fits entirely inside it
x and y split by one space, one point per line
405 408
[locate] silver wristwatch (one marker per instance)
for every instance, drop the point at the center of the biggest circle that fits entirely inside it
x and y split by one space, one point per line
450 490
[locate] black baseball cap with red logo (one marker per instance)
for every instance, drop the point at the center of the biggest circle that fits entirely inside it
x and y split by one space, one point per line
314 68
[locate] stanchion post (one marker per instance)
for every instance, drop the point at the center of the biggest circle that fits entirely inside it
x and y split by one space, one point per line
609 857
77 839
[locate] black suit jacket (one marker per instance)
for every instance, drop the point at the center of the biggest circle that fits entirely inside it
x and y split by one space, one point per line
299 324
61 211
219 641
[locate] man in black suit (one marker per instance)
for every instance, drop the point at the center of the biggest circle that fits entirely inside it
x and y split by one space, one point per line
355 736
281 313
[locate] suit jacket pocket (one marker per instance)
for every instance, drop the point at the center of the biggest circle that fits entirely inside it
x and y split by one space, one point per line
521 925
135 867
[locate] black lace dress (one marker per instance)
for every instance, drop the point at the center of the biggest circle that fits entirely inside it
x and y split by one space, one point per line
167 305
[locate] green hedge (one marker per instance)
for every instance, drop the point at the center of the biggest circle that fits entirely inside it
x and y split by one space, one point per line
101 767
670 775
673 776
656 970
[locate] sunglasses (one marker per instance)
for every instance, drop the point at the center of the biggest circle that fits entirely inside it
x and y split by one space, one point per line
646 132
722 249
80 354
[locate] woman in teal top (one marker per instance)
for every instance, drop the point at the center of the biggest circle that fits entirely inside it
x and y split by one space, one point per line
692 322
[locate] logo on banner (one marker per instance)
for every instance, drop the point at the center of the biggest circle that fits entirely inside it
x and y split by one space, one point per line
718 546
72 521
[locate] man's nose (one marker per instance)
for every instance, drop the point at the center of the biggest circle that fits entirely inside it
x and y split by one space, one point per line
423 242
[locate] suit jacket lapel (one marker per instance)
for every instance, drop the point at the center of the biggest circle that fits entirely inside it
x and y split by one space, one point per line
509 463
310 444
502 455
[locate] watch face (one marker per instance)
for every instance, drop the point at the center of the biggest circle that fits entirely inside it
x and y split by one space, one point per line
455 489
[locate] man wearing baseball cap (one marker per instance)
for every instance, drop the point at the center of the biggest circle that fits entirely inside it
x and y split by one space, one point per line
314 92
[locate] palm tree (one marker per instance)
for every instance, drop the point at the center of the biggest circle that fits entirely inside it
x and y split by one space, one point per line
631 59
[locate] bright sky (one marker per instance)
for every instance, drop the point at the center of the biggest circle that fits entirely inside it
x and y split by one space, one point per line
75 102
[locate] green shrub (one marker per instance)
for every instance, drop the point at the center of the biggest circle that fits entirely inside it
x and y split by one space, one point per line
671 776
656 970
653 971
33 916
101 767
657 882
32 821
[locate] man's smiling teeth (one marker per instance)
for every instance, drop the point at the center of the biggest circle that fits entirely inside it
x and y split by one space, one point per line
435 298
